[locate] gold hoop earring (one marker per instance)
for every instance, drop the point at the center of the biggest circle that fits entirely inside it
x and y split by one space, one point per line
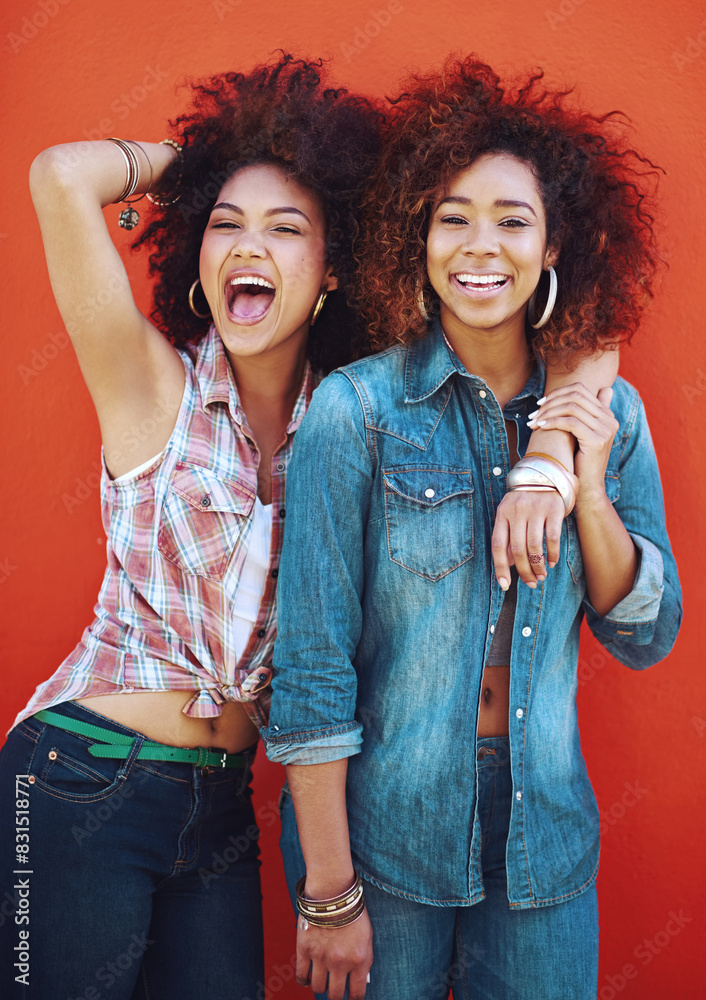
191 302
551 299
319 306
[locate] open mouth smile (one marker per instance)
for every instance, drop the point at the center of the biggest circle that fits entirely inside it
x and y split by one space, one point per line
482 284
249 298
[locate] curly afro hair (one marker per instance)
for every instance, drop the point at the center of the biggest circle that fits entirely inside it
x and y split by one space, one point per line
279 114
594 189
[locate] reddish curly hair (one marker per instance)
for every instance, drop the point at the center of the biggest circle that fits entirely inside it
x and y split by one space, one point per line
595 191
283 113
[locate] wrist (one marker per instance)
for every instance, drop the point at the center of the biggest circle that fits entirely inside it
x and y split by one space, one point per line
326 883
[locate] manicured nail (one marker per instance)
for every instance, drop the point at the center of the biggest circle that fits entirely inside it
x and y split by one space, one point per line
540 423
532 586
532 424
551 565
504 584
541 579
533 415
542 400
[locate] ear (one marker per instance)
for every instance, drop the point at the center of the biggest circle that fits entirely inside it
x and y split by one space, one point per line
330 283
551 257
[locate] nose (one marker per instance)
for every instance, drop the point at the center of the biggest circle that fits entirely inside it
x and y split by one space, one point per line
481 240
248 243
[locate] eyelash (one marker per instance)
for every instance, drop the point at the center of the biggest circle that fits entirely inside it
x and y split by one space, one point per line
277 229
506 223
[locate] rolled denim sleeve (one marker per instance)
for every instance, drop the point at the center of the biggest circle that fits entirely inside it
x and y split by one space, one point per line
312 717
642 628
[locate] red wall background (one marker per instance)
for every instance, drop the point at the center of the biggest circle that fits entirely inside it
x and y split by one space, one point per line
73 69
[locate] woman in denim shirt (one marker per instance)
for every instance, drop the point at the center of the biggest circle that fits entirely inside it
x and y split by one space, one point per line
465 805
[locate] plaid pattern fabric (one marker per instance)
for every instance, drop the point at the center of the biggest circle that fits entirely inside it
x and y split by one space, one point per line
177 539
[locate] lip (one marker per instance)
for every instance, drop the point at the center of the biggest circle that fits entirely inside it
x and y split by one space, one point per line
247 272
481 293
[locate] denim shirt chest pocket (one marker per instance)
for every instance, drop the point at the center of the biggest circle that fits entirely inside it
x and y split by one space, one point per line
429 518
202 519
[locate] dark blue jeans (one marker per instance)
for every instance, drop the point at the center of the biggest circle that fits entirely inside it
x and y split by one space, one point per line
142 880
487 951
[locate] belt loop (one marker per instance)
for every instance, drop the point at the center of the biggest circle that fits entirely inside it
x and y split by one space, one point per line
131 757
202 759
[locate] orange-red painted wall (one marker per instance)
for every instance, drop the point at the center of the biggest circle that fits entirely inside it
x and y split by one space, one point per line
72 69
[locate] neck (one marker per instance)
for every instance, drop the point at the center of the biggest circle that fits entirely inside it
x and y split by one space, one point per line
269 384
499 356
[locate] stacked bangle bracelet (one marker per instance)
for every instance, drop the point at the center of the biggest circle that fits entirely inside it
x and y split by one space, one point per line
129 217
335 912
537 472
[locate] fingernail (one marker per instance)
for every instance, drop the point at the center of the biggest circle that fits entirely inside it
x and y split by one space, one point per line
368 979
542 400
540 423
532 586
532 424
533 415
551 565
503 583
541 579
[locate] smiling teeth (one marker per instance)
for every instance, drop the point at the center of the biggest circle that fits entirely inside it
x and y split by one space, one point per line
252 280
481 279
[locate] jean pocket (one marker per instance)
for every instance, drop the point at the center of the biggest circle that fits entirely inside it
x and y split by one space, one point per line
63 767
202 519
429 514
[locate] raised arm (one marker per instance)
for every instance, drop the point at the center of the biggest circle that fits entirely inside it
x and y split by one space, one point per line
135 377
525 519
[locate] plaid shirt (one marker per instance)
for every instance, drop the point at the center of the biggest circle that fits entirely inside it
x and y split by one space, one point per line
178 534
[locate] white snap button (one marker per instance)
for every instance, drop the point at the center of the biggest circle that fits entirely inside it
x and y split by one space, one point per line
519 713
518 796
492 629
482 394
526 631
429 493
497 471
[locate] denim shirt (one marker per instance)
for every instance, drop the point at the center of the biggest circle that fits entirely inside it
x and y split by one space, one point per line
388 603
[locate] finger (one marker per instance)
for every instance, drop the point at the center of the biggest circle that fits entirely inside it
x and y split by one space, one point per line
319 976
573 388
535 548
337 985
357 984
499 547
518 547
587 410
303 962
552 531
605 395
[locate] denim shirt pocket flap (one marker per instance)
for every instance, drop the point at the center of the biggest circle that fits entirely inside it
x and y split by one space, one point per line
429 515
203 516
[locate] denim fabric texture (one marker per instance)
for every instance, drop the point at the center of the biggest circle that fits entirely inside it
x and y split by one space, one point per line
490 951
387 600
143 876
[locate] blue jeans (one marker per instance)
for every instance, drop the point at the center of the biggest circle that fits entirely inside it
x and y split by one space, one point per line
142 879
486 951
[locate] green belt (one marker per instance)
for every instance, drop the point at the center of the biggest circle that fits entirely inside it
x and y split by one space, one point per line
120 746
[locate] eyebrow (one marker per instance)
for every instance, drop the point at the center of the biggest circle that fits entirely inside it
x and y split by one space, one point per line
500 203
284 210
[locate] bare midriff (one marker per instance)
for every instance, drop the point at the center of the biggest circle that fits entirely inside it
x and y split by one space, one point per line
494 702
158 715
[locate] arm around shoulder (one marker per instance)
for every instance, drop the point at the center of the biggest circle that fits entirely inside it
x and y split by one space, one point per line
642 628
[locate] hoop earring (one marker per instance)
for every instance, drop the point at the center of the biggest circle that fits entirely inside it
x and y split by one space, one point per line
319 306
191 302
551 300
421 305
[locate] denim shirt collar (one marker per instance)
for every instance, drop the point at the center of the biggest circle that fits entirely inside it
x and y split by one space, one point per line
431 362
